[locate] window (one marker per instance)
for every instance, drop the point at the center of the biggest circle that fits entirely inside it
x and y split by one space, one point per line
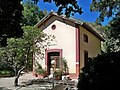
53 27
85 38
85 57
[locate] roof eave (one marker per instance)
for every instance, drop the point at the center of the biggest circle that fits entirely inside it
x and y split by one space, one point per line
71 20
92 31
44 19
55 14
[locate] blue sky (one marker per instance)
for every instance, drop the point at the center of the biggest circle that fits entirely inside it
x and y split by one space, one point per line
85 4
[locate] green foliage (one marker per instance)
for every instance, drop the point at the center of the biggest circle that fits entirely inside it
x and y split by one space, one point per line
19 51
70 6
10 19
112 35
101 73
65 69
5 63
67 7
58 72
7 73
32 13
11 16
41 71
114 27
107 8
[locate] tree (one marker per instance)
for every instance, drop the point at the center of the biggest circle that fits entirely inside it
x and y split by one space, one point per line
106 8
5 62
114 33
21 50
101 73
112 40
11 16
109 8
32 13
10 19
67 7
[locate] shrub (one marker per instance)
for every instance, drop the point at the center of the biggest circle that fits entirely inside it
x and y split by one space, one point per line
41 71
7 73
101 73
65 69
58 74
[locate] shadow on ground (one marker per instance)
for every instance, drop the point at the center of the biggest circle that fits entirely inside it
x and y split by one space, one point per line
4 88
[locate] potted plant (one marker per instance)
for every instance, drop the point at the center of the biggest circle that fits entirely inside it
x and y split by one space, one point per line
41 73
58 74
65 69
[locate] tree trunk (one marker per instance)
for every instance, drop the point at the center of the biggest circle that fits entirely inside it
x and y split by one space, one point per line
18 75
19 72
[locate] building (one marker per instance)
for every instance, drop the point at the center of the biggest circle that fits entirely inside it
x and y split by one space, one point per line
75 41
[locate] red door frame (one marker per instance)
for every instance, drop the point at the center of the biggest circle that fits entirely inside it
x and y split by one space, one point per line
52 50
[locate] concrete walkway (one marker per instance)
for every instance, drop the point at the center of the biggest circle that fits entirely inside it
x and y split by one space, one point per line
8 82
60 87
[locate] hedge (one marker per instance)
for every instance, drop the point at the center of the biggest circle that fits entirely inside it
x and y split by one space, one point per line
101 73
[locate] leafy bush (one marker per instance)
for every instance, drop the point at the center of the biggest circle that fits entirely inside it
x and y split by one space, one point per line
58 72
5 63
7 73
65 68
101 73
41 71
